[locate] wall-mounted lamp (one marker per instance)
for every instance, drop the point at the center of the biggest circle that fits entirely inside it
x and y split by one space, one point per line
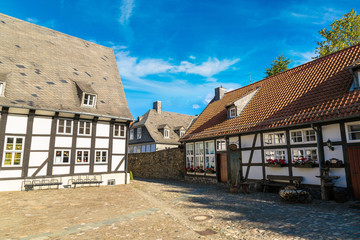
329 144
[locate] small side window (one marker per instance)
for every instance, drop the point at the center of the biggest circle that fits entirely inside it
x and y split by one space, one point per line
89 100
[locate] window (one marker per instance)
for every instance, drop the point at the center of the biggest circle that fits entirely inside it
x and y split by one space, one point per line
2 88
148 148
119 130
275 154
221 145
199 155
64 126
82 156
353 131
210 155
100 156
62 156
301 136
166 133
84 128
13 151
89 100
232 112
356 82
143 148
308 153
131 134
138 133
274 138
182 133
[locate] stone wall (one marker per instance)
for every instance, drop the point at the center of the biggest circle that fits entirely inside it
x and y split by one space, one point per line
166 164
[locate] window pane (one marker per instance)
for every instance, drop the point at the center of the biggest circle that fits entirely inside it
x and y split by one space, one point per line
79 156
310 135
122 130
86 99
10 144
88 128
17 158
116 130
8 157
354 128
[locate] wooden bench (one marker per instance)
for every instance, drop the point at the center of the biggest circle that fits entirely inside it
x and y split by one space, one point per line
82 180
280 181
48 183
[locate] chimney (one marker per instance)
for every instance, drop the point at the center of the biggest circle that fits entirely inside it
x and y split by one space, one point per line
157 106
219 93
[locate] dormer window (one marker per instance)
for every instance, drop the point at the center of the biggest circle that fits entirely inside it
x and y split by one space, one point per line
232 112
89 100
138 133
356 83
182 133
166 133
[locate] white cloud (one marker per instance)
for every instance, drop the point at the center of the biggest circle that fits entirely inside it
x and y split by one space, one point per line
32 20
192 57
126 10
195 106
209 97
303 57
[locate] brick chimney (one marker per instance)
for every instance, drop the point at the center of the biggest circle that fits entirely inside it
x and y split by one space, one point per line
157 106
219 93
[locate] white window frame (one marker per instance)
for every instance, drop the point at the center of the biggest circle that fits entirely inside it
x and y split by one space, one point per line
276 154
220 145
303 136
166 133
270 138
348 132
62 157
304 153
120 129
182 133
210 155
13 151
86 123
131 134
101 156
232 112
199 155
138 133
2 89
65 126
82 156
89 100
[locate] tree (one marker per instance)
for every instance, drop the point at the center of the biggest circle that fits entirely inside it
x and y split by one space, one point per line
345 32
279 65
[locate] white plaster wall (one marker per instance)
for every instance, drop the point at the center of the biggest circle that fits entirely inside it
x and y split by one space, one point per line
11 185
245 155
100 168
331 132
255 172
247 141
163 146
102 143
58 170
42 125
115 161
337 153
37 158
234 140
16 124
308 175
119 178
63 142
82 169
83 142
43 171
102 129
258 141
341 182
40 143
277 171
119 146
4 173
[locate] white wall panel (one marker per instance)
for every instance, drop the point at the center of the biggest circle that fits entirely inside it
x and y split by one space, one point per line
58 170
42 125
341 182
257 157
100 168
119 146
102 143
11 185
102 129
10 173
277 171
255 172
247 141
115 162
31 171
16 124
37 158
331 132
245 155
308 175
63 142
82 169
40 143
42 172
83 142
337 153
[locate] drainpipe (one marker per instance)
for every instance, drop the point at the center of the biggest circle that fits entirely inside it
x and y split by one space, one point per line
320 148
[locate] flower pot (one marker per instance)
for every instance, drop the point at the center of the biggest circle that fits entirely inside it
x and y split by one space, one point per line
304 166
190 173
200 173
276 165
210 174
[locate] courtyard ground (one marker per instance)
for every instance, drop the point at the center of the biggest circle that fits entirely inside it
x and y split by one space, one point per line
160 209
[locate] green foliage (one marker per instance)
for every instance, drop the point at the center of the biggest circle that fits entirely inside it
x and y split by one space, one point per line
279 65
345 32
131 176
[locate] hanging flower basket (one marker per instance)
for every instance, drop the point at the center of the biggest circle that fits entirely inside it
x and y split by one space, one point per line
278 163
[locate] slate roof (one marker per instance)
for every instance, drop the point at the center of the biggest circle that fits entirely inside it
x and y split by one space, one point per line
43 69
313 92
153 121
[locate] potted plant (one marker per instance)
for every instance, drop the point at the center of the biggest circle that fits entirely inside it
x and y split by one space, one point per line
304 163
190 170
199 171
276 163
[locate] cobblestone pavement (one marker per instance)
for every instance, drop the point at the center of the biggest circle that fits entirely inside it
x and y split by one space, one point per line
159 209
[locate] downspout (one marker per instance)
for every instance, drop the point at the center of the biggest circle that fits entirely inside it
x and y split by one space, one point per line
320 148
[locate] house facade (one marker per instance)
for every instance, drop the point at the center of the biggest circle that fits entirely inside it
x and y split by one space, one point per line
304 119
157 130
63 108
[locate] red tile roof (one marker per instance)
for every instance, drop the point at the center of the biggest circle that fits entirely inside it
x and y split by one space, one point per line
316 91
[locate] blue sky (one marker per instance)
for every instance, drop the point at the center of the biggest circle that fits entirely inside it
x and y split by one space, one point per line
178 51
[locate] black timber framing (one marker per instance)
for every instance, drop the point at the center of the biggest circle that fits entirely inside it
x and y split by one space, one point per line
93 141
288 147
240 158
251 156
27 145
3 121
126 149
73 155
345 146
52 144
262 155
228 159
111 137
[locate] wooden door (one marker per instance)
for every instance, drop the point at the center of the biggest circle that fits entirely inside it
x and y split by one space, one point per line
223 167
354 160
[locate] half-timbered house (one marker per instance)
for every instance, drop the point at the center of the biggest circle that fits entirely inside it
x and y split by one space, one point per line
308 118
63 107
